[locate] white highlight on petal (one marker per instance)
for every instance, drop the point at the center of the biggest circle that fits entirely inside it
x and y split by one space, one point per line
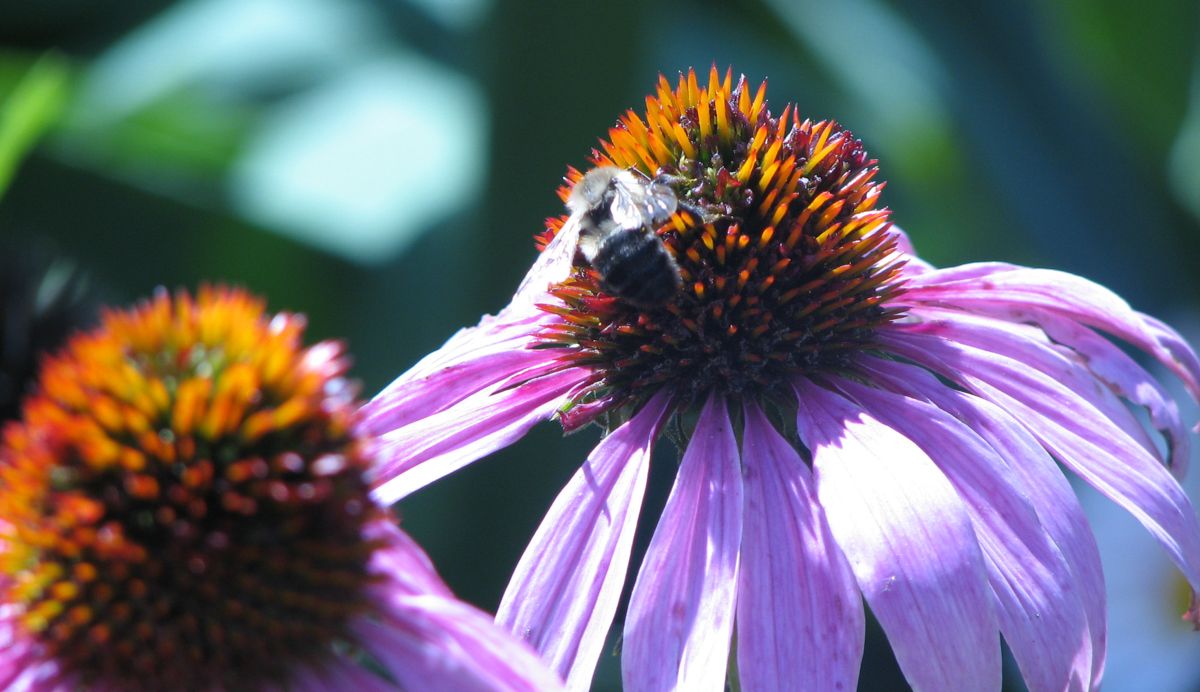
1074 431
909 541
1043 481
564 593
415 455
681 611
800 622
496 350
428 640
1016 293
1039 607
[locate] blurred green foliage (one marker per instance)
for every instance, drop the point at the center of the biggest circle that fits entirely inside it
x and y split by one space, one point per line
381 165
32 100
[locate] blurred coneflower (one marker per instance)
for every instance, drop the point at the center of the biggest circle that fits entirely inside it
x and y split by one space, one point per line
183 507
856 425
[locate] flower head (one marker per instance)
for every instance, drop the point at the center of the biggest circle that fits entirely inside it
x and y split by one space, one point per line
855 423
183 506
783 267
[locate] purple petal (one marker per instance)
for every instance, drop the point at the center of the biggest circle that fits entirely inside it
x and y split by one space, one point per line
552 266
402 561
1030 345
1019 293
1128 379
797 597
1040 610
1076 433
43 676
564 592
681 611
24 664
337 674
962 272
436 643
1176 347
904 248
24 668
14 657
909 541
1041 480
417 454
426 639
472 360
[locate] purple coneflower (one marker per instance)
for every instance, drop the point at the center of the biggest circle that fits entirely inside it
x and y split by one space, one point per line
856 425
183 507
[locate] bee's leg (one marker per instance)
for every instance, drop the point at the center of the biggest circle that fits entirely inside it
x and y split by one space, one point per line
703 216
668 179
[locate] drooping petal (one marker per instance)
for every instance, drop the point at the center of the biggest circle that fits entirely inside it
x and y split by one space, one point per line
1040 609
21 666
1031 346
472 360
1128 379
681 611
426 639
800 622
913 264
552 266
1018 293
1173 343
1041 479
13 650
564 593
435 643
404 563
417 454
1076 433
959 272
42 676
335 674
909 541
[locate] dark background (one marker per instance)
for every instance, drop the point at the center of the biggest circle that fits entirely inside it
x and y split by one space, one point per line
381 166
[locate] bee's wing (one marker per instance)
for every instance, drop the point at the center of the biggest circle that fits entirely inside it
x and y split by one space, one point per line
636 203
627 210
553 265
660 202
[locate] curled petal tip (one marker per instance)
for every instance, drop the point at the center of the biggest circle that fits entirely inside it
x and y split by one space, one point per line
1193 613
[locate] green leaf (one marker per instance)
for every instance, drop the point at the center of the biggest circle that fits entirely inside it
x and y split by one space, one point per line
31 107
